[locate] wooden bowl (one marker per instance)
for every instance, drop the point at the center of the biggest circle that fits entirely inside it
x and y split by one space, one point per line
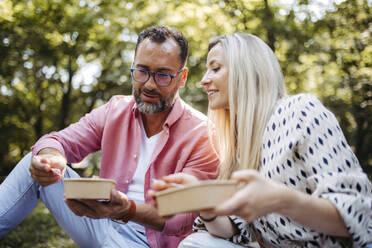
88 188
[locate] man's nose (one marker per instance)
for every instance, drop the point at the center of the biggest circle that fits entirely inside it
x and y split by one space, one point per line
150 84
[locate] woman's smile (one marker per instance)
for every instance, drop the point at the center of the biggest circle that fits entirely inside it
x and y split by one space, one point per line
215 80
211 93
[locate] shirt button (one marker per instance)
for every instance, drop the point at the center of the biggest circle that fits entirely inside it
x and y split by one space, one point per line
135 155
127 181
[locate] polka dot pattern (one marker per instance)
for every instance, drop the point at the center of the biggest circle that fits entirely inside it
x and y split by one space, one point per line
304 148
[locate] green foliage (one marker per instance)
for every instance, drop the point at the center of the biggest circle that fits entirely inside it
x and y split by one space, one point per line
47 46
344 62
38 230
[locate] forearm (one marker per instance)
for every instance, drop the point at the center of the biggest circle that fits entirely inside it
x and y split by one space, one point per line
147 215
50 150
221 227
313 212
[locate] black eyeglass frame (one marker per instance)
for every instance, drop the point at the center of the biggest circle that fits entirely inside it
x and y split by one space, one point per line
153 74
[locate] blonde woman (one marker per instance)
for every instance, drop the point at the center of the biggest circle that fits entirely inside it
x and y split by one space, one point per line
303 184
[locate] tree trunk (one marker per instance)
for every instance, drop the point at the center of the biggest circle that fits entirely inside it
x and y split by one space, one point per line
269 19
66 101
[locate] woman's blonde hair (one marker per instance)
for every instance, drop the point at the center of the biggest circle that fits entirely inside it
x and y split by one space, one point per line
255 85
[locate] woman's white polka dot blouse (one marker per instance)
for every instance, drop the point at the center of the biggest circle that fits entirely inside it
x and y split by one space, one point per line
304 148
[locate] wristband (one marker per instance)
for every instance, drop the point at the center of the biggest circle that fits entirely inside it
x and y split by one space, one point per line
129 216
208 220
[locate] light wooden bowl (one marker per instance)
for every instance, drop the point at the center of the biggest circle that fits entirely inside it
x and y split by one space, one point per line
204 195
88 188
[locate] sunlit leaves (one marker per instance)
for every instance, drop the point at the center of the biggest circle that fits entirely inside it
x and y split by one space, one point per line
60 59
6 10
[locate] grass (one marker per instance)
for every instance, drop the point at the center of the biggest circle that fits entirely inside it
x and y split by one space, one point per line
38 230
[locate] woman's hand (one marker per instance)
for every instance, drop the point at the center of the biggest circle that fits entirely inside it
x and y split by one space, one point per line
257 198
261 196
180 179
170 181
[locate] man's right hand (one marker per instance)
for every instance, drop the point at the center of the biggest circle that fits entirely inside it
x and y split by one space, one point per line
48 166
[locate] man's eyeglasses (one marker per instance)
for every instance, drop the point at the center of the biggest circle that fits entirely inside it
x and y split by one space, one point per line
162 79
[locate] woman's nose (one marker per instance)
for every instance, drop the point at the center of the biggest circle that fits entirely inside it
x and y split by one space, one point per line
205 80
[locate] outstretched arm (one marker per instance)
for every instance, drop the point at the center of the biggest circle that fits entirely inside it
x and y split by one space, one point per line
261 196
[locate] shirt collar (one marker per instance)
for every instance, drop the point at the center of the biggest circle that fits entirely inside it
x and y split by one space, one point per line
175 113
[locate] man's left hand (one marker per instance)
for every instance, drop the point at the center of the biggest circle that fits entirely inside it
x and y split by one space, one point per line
117 207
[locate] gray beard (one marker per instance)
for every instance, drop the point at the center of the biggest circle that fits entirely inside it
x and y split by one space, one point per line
153 108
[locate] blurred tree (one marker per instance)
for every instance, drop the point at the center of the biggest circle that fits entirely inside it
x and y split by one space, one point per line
344 64
58 60
328 54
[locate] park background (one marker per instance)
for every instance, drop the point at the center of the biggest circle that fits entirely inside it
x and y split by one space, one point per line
60 59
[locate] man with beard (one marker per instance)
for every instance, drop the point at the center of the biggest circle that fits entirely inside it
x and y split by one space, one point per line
144 137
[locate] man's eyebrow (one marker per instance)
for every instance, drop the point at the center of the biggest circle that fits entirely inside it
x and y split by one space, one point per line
142 66
146 67
164 69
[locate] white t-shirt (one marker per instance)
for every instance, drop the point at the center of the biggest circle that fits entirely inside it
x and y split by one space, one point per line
136 188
